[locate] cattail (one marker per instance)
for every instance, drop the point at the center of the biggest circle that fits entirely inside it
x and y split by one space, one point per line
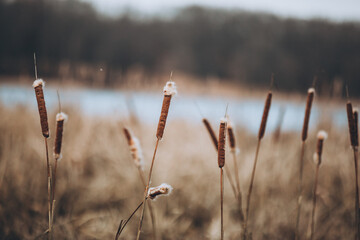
211 132
231 136
322 135
61 118
222 140
169 91
265 115
163 189
38 86
351 123
356 124
309 101
135 149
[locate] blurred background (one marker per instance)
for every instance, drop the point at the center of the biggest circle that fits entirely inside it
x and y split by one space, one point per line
109 60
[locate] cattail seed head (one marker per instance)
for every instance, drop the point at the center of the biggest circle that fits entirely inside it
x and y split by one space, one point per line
135 149
222 140
309 101
211 132
169 91
38 86
351 123
231 136
322 135
265 115
356 124
163 189
61 118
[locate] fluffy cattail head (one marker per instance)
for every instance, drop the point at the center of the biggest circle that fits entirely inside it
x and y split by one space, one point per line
163 189
322 135
211 132
265 115
38 86
222 140
169 91
309 100
351 123
231 136
135 149
356 124
170 88
61 118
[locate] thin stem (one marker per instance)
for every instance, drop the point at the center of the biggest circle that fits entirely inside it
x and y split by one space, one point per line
152 216
357 227
250 189
229 177
146 190
301 168
54 180
49 187
314 203
122 226
237 178
222 202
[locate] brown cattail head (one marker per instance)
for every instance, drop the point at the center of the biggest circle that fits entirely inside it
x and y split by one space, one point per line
222 140
310 98
61 118
135 149
322 135
211 132
231 136
351 123
163 189
265 115
356 123
38 86
169 91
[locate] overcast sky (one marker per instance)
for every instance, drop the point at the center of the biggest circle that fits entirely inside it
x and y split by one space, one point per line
336 10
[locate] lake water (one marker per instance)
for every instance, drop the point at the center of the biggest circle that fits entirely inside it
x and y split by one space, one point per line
243 112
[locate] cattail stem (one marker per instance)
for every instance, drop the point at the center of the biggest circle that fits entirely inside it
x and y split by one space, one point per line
239 195
146 190
49 186
357 220
122 226
250 189
314 202
229 177
152 216
222 202
299 202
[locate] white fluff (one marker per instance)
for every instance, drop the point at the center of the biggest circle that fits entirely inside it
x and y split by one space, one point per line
38 82
311 90
170 88
61 116
223 120
136 153
322 135
163 189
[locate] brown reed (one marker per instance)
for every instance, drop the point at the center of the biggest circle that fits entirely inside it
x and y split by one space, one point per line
39 93
260 136
322 135
354 143
356 126
304 135
169 90
221 164
211 132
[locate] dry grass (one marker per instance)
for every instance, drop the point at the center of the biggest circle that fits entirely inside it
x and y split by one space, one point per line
98 183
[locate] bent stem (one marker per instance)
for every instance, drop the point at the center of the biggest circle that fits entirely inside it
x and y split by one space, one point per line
146 191
250 190
301 167
122 226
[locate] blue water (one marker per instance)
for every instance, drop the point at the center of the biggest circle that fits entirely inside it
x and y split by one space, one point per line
246 113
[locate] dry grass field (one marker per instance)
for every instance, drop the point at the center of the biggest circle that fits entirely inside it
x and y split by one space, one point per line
98 183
